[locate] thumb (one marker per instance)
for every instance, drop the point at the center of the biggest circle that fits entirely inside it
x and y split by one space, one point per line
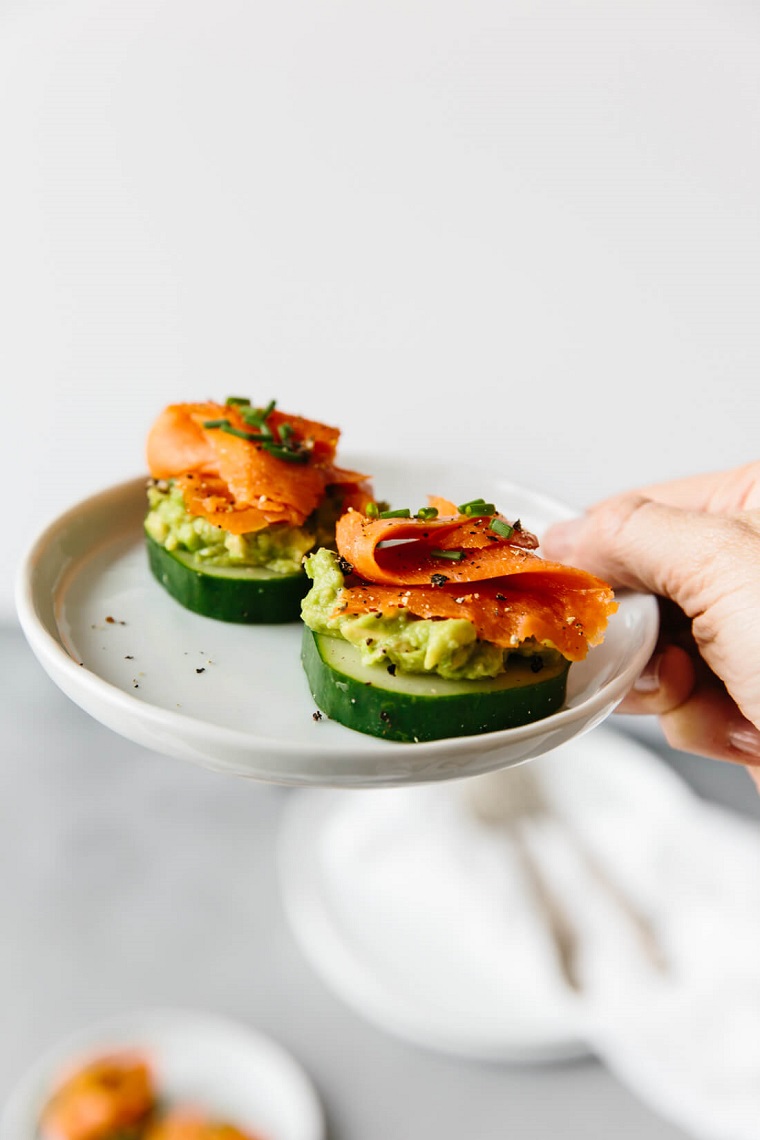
691 557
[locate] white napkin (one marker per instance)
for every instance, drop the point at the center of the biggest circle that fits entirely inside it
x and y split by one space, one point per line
438 907
687 1042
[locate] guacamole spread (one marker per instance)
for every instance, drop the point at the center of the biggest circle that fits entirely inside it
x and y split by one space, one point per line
279 548
447 646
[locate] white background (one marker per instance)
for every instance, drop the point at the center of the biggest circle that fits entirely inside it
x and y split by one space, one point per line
517 231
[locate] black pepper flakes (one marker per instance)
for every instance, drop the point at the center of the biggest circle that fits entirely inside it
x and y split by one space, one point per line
201 670
438 580
316 715
392 669
344 565
384 716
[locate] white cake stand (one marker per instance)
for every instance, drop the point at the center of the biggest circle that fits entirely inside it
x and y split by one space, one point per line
234 698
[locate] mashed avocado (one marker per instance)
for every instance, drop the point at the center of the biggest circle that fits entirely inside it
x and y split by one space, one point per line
279 548
448 646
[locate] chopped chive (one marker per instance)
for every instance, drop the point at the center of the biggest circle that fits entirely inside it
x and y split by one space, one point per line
449 555
426 513
263 431
372 511
258 416
403 513
249 435
237 401
501 528
264 437
225 425
478 510
253 417
286 431
286 453
470 503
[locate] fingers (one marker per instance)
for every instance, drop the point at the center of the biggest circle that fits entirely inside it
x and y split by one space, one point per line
717 492
696 712
720 492
686 556
709 724
666 683
692 493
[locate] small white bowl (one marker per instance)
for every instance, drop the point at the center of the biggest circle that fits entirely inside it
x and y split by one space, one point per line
198 1059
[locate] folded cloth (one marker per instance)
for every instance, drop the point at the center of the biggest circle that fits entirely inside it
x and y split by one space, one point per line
688 1042
437 906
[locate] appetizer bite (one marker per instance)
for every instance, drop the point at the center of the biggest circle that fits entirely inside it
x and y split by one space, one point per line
238 495
110 1098
115 1098
445 623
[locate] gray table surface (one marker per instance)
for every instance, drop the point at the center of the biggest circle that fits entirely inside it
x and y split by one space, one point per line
131 880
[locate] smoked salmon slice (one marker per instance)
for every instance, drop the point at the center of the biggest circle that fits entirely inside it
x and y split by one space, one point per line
244 474
460 567
109 1096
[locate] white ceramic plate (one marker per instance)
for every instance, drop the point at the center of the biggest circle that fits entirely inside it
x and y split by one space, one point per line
405 907
235 698
198 1059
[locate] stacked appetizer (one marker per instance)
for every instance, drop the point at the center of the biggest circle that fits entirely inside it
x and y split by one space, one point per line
238 495
115 1097
419 626
445 623
110 1096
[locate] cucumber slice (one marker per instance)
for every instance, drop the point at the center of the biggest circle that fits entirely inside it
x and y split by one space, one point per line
413 707
245 594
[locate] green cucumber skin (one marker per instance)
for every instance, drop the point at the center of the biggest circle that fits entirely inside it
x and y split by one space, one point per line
411 718
246 600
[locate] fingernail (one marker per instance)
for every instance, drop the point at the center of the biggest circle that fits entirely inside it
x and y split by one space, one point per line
648 681
561 539
745 738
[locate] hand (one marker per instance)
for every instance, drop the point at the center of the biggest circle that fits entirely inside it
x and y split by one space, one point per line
696 544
